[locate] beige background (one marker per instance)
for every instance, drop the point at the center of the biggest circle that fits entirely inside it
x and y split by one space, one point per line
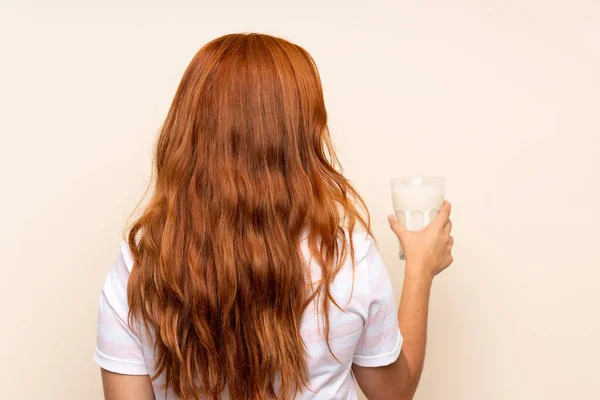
501 97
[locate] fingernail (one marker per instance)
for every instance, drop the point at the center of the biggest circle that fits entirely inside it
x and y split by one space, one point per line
391 218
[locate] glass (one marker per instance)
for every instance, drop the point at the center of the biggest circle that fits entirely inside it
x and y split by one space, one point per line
417 201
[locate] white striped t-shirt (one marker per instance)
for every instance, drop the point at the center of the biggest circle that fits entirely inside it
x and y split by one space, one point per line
366 333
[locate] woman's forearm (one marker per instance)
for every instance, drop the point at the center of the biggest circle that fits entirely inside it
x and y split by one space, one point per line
428 252
412 318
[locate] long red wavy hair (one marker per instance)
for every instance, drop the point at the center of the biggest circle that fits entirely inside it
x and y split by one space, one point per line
244 171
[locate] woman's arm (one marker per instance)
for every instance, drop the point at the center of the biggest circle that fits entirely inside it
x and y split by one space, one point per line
399 380
119 349
427 252
126 387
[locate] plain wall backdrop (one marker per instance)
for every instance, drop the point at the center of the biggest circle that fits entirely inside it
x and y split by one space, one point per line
501 97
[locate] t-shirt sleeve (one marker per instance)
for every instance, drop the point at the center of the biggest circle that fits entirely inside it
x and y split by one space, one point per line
118 347
381 341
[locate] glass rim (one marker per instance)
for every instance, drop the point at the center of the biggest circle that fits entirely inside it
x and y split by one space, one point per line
418 179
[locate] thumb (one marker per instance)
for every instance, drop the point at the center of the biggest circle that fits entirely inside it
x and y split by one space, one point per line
396 226
444 215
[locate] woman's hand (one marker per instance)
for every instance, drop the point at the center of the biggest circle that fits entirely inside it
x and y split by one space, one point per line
428 251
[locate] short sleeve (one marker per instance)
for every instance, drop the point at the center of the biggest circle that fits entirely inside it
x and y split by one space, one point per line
118 348
381 341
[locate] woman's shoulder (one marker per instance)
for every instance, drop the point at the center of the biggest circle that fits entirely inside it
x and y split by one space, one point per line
125 256
362 242
118 275
114 291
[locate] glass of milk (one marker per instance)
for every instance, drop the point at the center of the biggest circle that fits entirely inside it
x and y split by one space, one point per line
417 201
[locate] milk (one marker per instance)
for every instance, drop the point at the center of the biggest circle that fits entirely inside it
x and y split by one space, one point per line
417 201
416 206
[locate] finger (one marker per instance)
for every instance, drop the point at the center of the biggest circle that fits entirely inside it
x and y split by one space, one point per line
396 226
448 227
444 215
451 241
